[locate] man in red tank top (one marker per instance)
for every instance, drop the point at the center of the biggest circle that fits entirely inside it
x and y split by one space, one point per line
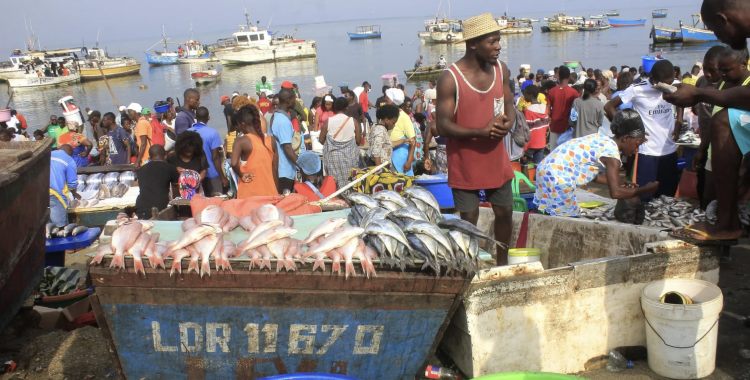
474 113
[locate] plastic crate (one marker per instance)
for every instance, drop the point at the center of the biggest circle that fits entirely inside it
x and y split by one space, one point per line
440 189
529 198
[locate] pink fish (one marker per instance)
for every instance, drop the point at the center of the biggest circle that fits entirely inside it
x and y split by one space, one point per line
212 214
259 229
288 221
347 250
335 256
266 254
336 239
364 259
195 256
247 223
205 247
270 235
231 224
197 217
254 255
153 255
319 263
224 219
324 228
122 239
137 249
188 224
101 251
268 212
282 215
222 262
177 260
255 218
195 234
279 248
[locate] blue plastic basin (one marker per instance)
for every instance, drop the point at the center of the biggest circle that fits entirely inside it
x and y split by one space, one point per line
440 189
648 62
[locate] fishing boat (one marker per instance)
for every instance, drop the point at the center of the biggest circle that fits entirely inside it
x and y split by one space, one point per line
592 27
14 67
618 23
441 31
159 58
694 34
513 26
529 20
253 45
564 23
96 58
35 81
597 17
613 13
204 77
365 32
660 34
424 72
659 13
190 61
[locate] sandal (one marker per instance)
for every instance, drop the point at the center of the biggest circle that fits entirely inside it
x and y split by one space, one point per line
710 240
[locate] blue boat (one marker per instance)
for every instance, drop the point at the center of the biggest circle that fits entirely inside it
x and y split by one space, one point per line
659 13
365 32
660 34
617 23
159 58
695 34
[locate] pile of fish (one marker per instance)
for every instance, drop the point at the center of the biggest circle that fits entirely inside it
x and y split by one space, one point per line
668 212
102 186
72 229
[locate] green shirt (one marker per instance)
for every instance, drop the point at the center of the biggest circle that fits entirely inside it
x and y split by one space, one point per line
260 86
55 131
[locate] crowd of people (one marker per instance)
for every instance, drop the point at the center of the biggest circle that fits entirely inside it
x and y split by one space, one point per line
571 127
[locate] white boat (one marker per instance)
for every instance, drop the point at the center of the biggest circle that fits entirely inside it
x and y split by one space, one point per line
209 76
252 45
529 20
613 13
597 17
512 26
32 80
441 31
195 60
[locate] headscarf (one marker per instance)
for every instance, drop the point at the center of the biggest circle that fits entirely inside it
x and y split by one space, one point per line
417 95
628 122
309 162
328 98
396 95
430 94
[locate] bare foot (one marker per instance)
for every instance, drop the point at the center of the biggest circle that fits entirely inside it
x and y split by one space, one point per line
713 234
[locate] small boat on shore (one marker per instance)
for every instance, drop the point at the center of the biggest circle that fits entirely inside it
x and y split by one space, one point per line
613 13
618 23
660 34
659 13
34 81
694 34
205 77
424 72
365 32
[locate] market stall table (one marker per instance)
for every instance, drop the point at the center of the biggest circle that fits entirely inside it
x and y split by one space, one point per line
54 250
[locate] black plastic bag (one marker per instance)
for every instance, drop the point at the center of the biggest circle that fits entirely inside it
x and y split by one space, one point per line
630 211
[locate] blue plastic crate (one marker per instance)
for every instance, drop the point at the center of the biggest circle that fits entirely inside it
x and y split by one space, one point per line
440 189
529 198
680 163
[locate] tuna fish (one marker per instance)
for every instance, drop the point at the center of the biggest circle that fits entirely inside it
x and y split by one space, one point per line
79 230
390 196
468 228
423 195
376 213
363 200
387 227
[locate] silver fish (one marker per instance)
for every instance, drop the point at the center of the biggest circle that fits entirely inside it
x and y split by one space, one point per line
430 230
377 213
410 213
363 200
79 230
48 229
387 227
390 206
423 195
470 229
424 253
390 196
69 229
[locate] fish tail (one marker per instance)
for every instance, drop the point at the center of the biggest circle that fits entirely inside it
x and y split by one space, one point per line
206 269
265 263
98 258
138 265
176 265
336 267
350 269
118 261
319 263
227 266
279 264
256 261
194 265
156 262
369 268
290 265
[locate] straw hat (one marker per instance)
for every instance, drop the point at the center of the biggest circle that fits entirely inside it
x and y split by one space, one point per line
479 26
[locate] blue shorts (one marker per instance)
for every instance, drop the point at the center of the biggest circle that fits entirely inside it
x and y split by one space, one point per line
739 121
657 168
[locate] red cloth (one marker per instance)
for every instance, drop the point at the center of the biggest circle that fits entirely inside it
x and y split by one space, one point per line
560 100
264 105
157 135
292 204
477 163
364 101
327 188
538 123
22 120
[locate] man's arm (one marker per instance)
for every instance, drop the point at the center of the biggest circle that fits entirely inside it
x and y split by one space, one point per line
216 158
126 142
445 106
142 150
275 165
510 110
611 107
71 177
289 153
678 123
687 96
88 146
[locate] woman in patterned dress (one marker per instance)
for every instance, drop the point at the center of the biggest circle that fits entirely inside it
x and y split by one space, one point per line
594 157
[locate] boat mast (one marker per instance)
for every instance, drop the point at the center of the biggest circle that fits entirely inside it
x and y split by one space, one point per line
269 23
247 17
438 10
164 37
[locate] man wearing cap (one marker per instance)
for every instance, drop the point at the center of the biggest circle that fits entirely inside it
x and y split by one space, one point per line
263 85
474 113
186 118
143 132
313 186
228 111
123 114
344 87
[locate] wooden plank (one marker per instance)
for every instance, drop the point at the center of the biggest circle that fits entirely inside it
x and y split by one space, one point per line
169 213
101 320
285 298
105 169
303 279
23 279
14 155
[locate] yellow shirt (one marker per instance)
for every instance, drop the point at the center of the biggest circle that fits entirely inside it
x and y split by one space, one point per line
231 136
403 127
523 104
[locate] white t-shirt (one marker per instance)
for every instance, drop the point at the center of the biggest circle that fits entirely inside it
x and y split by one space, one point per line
336 122
14 123
657 116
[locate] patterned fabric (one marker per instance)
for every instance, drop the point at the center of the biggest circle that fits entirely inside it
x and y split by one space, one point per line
380 144
339 158
190 184
573 164
73 139
381 180
440 159
103 149
419 149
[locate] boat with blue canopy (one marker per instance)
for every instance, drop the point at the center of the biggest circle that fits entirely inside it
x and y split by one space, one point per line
659 13
365 32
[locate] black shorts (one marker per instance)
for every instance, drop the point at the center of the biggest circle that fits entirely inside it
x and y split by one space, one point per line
468 200
285 184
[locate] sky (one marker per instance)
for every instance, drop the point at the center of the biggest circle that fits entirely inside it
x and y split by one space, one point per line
78 22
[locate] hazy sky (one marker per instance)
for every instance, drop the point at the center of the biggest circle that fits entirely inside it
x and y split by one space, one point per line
66 23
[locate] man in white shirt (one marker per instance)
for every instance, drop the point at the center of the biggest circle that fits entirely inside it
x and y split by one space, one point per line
656 160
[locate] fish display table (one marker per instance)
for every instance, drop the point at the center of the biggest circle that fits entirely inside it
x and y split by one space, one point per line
54 250
249 324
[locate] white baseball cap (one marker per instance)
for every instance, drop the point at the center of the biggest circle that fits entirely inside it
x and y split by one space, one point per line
135 107
123 108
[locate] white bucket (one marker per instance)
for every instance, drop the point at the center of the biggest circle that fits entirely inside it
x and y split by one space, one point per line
316 145
73 116
523 255
681 339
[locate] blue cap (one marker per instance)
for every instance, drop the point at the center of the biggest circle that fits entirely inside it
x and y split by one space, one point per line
344 84
540 71
309 162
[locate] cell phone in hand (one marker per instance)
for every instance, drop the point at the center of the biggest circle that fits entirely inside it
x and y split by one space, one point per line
665 88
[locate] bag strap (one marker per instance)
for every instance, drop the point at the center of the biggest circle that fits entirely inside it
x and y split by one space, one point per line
342 127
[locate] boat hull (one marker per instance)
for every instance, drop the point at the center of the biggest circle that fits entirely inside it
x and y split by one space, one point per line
598 17
665 35
560 27
365 36
617 23
516 30
697 35
593 28
441 37
187 61
93 73
411 74
248 55
35 82
659 15
205 79
11 73
159 60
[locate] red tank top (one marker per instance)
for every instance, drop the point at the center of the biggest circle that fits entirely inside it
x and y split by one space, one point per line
477 163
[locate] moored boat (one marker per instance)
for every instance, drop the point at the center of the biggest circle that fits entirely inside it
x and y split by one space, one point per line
593 28
34 81
660 34
423 72
694 34
441 31
365 32
613 13
96 58
14 67
513 26
208 76
659 13
597 17
190 61
563 23
618 23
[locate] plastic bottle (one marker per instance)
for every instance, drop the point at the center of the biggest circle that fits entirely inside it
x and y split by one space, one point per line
440 373
617 362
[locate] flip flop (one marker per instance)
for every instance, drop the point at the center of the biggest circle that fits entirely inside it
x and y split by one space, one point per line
710 240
